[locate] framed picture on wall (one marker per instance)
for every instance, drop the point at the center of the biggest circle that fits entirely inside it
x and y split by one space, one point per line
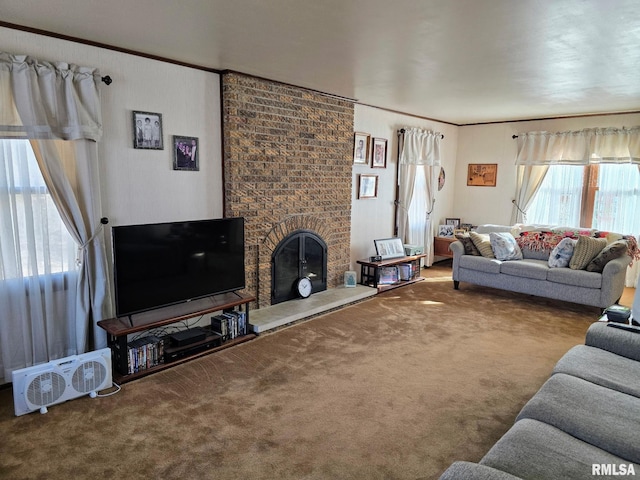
185 153
361 148
482 174
147 130
379 153
453 221
367 186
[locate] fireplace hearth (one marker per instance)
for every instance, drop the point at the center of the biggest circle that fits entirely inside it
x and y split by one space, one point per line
302 253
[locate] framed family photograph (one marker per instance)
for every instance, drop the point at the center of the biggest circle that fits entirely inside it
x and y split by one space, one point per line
147 130
453 221
482 174
361 148
367 186
185 153
379 155
445 230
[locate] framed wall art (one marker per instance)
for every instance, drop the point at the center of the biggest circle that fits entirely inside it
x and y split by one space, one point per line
361 148
185 153
147 130
367 186
453 221
379 153
482 174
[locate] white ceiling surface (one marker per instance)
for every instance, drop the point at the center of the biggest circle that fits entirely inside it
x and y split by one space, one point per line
458 61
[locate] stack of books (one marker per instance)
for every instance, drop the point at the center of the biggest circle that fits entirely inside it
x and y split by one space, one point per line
229 325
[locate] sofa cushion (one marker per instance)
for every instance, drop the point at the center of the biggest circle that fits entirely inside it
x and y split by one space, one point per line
526 268
578 278
615 340
532 449
605 418
482 264
474 471
504 246
586 250
608 253
561 255
601 367
467 243
482 243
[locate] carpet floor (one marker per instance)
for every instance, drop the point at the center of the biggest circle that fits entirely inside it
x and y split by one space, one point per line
395 387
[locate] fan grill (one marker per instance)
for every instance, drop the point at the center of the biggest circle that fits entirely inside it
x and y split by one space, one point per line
88 377
46 388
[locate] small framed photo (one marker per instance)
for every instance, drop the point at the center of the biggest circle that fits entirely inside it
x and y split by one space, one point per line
445 230
350 279
453 221
482 174
367 186
147 131
379 154
361 148
459 231
185 153
389 247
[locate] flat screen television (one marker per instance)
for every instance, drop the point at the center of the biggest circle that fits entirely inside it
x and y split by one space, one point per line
161 264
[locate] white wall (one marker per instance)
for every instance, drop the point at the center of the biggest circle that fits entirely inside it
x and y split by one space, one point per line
374 218
140 186
494 144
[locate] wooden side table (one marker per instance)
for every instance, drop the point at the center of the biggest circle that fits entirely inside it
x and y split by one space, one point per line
441 246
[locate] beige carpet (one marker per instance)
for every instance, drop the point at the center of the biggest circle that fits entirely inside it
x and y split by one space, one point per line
395 387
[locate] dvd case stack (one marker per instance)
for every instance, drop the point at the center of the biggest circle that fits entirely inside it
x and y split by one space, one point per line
144 352
229 325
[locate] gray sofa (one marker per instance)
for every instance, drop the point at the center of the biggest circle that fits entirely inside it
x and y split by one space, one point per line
532 275
584 422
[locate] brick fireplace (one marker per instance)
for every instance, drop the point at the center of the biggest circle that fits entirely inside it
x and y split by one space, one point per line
287 167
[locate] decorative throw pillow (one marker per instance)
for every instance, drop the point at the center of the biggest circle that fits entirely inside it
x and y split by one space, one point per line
586 250
504 246
608 253
467 243
562 253
482 243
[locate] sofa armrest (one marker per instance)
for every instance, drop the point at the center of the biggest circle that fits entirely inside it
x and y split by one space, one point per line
474 471
614 340
613 278
457 248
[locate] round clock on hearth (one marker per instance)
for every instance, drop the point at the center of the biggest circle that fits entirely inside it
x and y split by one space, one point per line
303 287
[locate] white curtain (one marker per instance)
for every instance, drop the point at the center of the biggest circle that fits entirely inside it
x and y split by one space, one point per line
57 106
420 152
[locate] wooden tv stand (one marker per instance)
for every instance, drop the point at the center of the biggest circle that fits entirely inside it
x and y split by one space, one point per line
118 330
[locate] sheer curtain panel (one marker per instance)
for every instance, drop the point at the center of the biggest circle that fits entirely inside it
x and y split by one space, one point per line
57 107
420 151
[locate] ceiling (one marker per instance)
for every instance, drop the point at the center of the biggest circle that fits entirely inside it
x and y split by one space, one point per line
457 61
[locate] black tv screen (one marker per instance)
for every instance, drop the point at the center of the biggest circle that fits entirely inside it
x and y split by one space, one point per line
161 264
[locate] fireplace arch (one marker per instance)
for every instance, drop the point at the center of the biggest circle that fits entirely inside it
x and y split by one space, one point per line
302 253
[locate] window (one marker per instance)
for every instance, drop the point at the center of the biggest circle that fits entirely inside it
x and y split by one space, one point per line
604 196
33 239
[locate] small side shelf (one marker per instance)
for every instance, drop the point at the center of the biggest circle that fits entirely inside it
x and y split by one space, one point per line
370 272
118 330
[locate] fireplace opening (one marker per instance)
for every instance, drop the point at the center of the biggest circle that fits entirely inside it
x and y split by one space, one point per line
300 254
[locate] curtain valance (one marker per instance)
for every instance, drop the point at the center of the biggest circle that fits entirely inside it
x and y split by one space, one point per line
43 100
592 145
420 147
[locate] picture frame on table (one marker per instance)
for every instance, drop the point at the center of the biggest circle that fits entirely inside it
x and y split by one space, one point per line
361 142
389 248
147 130
445 230
453 221
379 153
